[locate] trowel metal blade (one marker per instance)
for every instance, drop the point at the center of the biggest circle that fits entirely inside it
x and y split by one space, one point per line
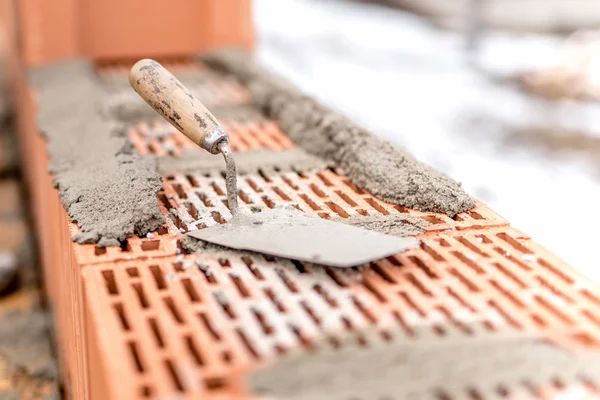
295 235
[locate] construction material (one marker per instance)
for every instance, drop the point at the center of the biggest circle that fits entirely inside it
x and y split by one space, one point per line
391 224
373 164
247 162
292 234
279 232
167 95
103 184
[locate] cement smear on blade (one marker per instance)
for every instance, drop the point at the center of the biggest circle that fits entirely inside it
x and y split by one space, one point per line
424 366
381 168
103 184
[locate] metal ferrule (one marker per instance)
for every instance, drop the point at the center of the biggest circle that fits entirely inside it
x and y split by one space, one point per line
212 139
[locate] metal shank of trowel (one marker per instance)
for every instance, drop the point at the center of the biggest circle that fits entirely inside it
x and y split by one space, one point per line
163 92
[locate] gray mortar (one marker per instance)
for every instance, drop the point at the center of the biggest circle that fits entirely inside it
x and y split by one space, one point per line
247 162
107 188
425 366
383 169
392 224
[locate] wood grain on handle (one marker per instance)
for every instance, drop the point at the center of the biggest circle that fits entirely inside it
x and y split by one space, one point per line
161 90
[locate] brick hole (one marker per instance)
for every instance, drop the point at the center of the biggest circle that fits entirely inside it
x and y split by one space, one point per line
459 218
262 321
555 271
448 314
314 206
269 203
226 356
299 266
538 320
215 383
244 196
193 350
419 285
362 212
442 395
463 279
475 215
158 277
249 263
288 282
178 222
557 383
99 251
141 295
125 246
218 217
146 391
224 262
174 376
150 245
468 262
192 210
337 209
156 332
190 290
201 225
385 335
281 194
334 276
217 189
208 325
178 266
311 313
254 185
132 272
439 330
135 355
373 290
547 285
465 242
290 183
507 293
180 191
163 230
239 284
224 303
204 199
460 299
373 203
553 309
517 262
514 243
381 271
352 186
509 275
364 311
324 178
394 261
122 317
422 266
325 296
474 394
317 190
246 342
278 304
434 254
334 342
111 283
484 239
306 343
502 391
264 176
443 242
280 349
589 384
193 181
432 219
411 303
507 316
407 328
173 309
324 215
590 296
346 198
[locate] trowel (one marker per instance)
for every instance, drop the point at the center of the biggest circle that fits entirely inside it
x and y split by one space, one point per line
281 232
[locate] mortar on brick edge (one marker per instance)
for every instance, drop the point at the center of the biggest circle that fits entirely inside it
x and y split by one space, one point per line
371 163
198 161
366 365
108 189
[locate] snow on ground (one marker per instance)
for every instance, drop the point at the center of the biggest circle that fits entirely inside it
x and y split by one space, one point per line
409 82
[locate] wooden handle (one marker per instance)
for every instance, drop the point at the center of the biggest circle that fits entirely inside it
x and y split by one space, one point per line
159 88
